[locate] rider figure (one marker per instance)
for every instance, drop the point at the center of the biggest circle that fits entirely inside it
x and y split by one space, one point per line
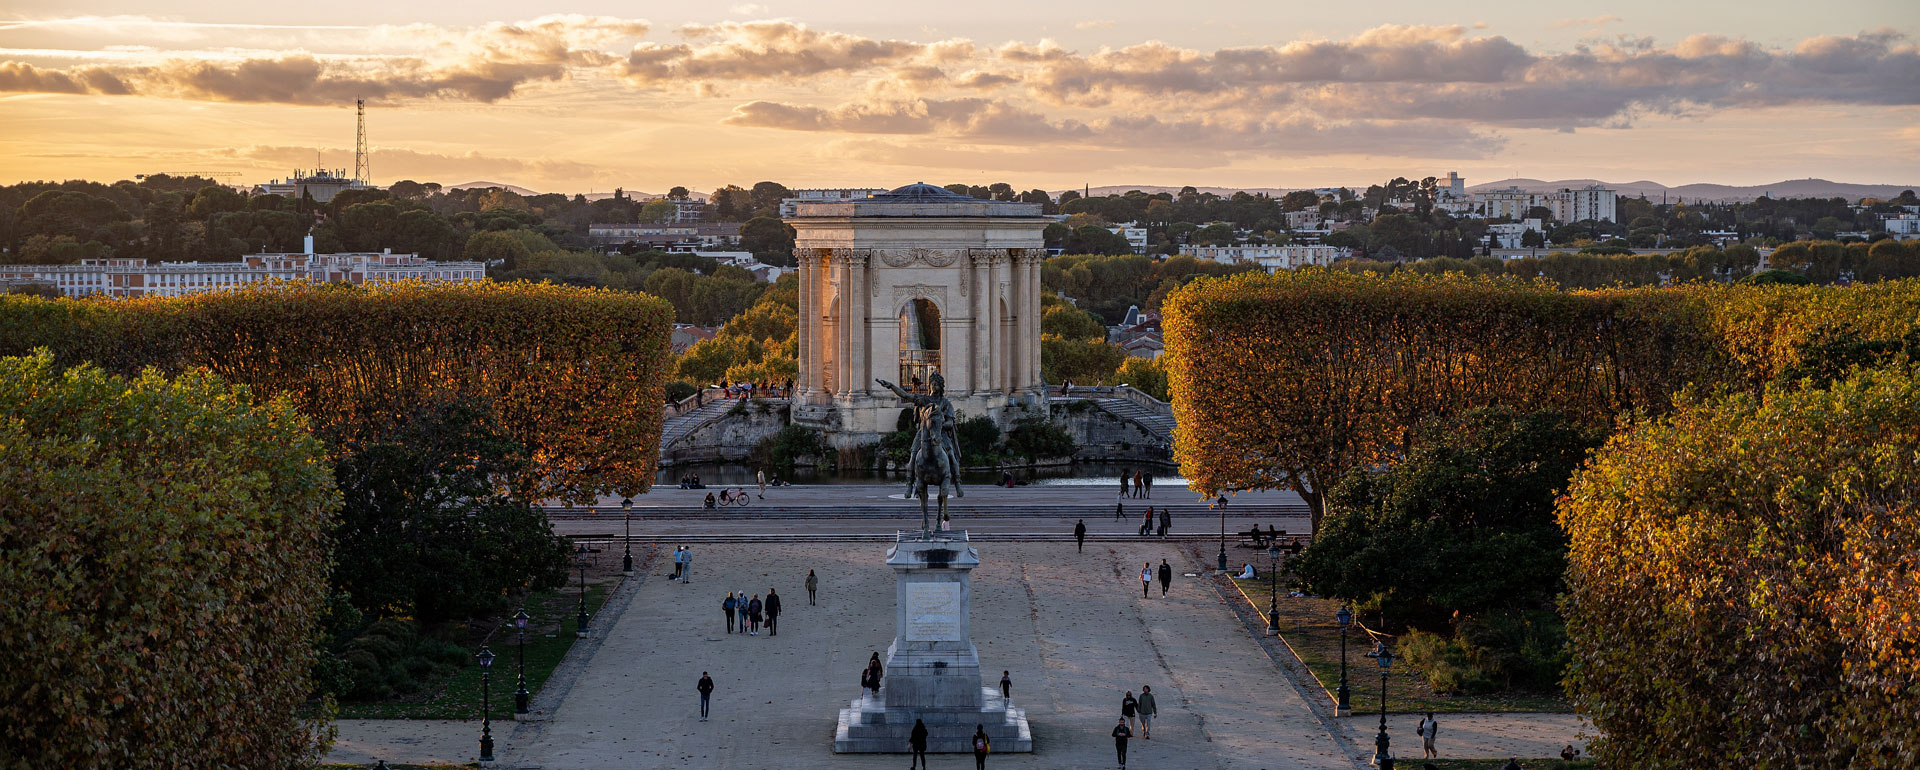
936 437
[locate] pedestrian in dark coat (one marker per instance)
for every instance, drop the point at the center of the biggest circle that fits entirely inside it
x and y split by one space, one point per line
874 674
726 608
1128 707
980 747
1119 511
918 743
1166 576
1006 686
753 615
1080 536
1120 736
813 584
1166 521
1148 479
706 691
1124 478
773 613
1146 708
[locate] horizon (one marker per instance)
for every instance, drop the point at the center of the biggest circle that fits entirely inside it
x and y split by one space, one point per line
1231 95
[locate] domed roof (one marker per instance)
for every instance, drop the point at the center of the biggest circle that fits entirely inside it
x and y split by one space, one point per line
921 192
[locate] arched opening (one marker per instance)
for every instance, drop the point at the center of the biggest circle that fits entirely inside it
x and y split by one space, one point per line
919 343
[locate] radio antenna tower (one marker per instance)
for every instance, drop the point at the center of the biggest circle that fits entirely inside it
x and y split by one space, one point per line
362 169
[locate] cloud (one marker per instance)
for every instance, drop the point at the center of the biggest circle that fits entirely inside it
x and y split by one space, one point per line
1596 21
483 64
987 121
760 50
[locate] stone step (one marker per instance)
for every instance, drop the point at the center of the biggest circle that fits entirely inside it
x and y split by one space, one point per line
890 536
1135 511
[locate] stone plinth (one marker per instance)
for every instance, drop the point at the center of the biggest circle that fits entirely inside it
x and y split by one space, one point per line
932 667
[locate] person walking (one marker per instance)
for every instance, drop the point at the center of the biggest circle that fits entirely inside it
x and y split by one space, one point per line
874 673
773 613
1166 576
676 563
917 742
761 476
1119 511
980 747
740 610
1080 536
1129 709
1146 579
1139 486
726 608
1146 708
1120 735
1006 686
1147 480
754 608
1428 729
813 584
706 691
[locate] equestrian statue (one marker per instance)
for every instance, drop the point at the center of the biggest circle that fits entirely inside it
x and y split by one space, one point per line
936 448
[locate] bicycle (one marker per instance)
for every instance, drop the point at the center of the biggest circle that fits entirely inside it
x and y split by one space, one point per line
739 498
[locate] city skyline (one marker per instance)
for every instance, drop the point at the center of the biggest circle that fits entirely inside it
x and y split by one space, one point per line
839 93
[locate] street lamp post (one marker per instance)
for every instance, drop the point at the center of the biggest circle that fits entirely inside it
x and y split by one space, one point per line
581 559
1273 589
1345 618
485 657
1381 755
626 512
1223 538
520 692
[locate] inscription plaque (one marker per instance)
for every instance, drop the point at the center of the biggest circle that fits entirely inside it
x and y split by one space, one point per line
933 612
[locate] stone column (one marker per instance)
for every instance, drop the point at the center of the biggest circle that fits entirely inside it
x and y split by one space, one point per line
842 337
1033 322
860 326
979 265
803 379
1019 353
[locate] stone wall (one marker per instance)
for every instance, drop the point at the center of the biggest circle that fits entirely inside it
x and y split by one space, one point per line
729 437
1101 435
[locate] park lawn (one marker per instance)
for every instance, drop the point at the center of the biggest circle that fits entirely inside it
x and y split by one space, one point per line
550 634
1308 627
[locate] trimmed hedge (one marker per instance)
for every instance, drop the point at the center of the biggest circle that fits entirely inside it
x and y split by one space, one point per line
160 536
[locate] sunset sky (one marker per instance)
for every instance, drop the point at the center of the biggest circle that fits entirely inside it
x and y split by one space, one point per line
1038 94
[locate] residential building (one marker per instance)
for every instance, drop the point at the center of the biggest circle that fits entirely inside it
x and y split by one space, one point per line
1271 258
1507 235
134 277
1591 202
790 206
1136 237
320 183
1304 219
1904 227
687 335
667 237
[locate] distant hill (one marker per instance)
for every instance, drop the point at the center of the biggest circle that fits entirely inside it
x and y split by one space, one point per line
512 188
1792 188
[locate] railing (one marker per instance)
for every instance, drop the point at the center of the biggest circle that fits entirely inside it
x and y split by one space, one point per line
1123 392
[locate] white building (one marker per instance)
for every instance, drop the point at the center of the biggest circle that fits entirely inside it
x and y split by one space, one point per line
319 183
790 205
117 277
1303 219
1590 202
1904 227
1507 235
1270 258
1136 237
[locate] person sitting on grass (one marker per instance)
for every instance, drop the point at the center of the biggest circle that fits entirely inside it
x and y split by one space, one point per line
1245 573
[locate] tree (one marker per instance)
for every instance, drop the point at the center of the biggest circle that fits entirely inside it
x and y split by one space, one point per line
765 198
770 240
68 212
1078 360
497 247
215 199
1532 239
678 193
1464 523
1036 438
1739 580
1071 323
659 211
429 531
174 532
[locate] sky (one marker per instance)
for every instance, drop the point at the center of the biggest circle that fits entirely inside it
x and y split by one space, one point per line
1053 95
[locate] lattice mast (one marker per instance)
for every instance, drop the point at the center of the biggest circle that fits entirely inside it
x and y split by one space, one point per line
362 166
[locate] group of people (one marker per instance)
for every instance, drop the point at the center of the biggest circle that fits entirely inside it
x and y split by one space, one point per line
748 389
748 613
682 564
917 743
1147 574
1138 484
691 481
1165 522
1135 713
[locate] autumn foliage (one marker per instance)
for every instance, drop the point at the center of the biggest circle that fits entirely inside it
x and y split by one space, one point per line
573 375
1291 380
1744 580
159 537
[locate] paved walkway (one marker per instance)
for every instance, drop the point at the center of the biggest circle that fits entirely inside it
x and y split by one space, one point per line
1475 736
1070 628
408 741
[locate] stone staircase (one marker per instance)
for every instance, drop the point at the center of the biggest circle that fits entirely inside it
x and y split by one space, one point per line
1159 423
904 510
679 427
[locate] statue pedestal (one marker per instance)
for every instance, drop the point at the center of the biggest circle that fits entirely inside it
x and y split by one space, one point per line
932 668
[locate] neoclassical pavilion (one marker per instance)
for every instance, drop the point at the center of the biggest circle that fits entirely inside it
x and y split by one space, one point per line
915 281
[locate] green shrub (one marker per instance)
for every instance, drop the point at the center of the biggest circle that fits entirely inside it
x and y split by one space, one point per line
1037 437
680 390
